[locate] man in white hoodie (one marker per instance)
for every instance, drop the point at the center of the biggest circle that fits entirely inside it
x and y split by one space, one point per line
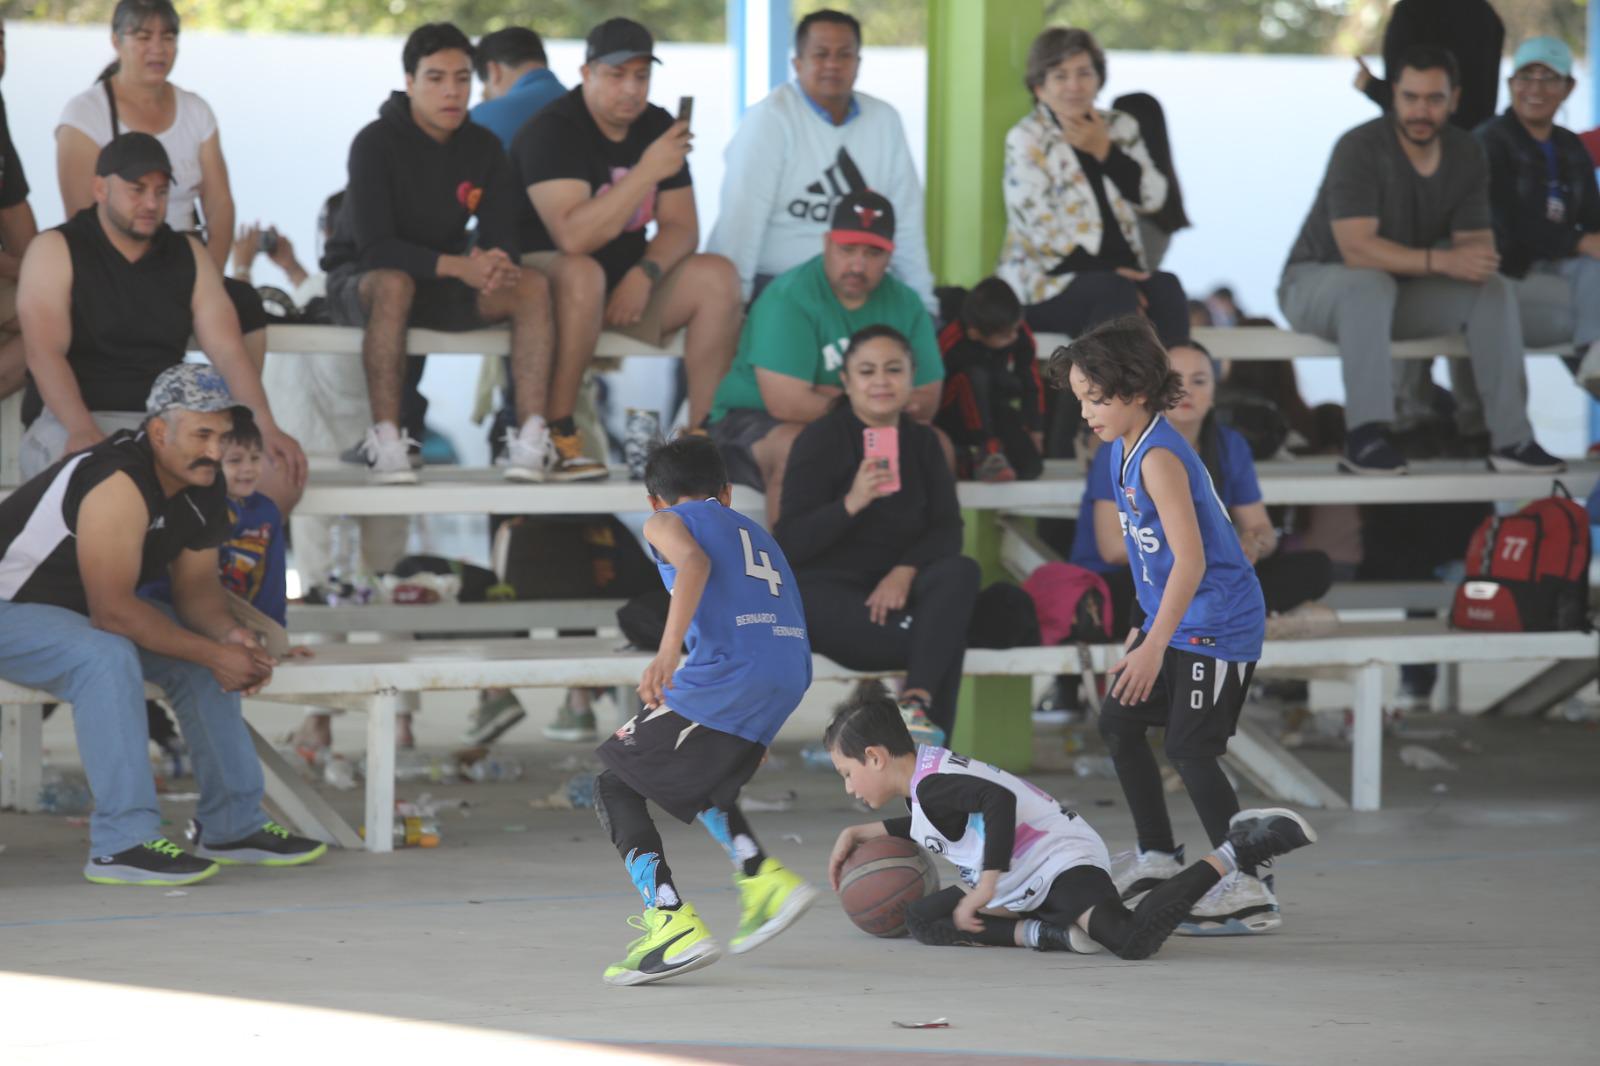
809 143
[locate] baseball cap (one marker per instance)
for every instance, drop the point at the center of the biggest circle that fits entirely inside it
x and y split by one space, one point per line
1546 51
863 217
190 387
131 156
615 41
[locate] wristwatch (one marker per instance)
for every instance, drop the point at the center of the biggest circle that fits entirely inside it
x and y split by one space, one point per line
652 270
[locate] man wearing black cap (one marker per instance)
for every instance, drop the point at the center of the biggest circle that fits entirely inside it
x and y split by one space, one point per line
76 542
601 164
787 371
17 229
109 299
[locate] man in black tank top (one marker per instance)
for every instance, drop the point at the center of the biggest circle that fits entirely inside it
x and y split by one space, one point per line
76 543
108 300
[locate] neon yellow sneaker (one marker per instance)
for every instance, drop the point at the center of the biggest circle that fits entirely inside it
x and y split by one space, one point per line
773 900
674 942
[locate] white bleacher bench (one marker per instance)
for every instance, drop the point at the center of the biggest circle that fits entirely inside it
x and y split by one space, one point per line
346 340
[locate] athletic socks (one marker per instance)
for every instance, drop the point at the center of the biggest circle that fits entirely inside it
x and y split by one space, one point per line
1228 856
728 828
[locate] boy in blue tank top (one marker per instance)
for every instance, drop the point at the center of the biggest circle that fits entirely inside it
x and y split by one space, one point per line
1189 668
706 722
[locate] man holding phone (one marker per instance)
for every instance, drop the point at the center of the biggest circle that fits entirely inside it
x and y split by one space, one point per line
600 165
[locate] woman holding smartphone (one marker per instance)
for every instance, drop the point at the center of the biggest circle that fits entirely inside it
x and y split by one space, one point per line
872 529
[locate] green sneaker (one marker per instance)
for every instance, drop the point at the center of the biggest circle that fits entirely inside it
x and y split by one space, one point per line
493 718
572 725
773 900
674 942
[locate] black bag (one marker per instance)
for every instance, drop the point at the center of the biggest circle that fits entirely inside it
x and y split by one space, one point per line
644 618
1003 617
1256 419
570 557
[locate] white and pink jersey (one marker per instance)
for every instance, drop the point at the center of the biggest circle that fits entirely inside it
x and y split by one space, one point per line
1047 840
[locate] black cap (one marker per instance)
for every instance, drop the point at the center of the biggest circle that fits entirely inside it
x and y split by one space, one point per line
863 217
133 155
615 41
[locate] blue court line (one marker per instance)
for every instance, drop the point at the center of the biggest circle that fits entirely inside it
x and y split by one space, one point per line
931 1053
331 908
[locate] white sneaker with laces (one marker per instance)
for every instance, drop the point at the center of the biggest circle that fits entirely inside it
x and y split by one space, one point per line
527 454
389 461
1137 872
1237 905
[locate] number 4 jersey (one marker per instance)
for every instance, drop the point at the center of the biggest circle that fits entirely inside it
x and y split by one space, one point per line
749 660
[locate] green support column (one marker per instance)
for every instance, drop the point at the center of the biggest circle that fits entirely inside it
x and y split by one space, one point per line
977 52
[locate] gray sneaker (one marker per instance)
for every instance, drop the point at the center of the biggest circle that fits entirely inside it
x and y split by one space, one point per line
572 725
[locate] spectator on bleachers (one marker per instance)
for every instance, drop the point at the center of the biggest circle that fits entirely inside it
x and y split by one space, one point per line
135 93
1546 208
109 299
993 400
75 543
1399 244
17 228
600 165
810 142
517 81
1156 230
400 255
1077 179
876 545
1289 579
1472 33
786 374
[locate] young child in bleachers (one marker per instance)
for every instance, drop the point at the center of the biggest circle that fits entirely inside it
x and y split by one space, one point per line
1034 873
993 403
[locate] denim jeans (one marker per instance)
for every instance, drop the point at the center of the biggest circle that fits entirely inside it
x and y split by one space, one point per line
102 675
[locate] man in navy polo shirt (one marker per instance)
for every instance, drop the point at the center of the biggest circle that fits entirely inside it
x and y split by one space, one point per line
516 78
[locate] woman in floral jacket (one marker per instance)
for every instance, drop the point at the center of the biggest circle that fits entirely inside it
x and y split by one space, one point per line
1076 181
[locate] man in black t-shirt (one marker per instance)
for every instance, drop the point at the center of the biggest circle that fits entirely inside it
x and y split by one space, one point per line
76 543
17 228
600 165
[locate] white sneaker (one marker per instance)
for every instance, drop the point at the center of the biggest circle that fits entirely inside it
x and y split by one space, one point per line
526 456
389 462
1137 872
1237 905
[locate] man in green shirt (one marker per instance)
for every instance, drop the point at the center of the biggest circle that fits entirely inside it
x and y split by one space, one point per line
786 373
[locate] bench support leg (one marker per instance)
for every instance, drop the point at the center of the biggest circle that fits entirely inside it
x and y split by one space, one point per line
380 771
302 806
994 721
22 748
1366 773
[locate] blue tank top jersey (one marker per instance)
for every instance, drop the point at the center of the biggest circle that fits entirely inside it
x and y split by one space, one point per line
1227 618
749 660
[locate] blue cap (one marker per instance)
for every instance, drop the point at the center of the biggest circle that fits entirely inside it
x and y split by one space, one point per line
1546 51
189 387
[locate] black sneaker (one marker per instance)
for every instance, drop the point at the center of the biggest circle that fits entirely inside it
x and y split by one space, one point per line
155 862
1261 834
1368 450
1526 457
271 845
1054 938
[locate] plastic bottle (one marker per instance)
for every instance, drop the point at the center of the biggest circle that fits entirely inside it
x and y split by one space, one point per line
580 791
413 832
815 757
59 794
493 769
1094 766
415 766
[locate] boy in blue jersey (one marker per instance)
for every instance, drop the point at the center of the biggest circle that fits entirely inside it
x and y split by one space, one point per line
1188 669
706 723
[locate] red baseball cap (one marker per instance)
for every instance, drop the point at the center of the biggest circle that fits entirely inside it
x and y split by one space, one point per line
864 217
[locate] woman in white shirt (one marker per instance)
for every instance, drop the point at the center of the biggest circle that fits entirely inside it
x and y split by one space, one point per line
134 94
1077 181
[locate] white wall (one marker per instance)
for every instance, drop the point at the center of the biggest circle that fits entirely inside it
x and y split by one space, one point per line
1251 135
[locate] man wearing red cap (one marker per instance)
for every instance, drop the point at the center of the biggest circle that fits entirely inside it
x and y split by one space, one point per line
786 373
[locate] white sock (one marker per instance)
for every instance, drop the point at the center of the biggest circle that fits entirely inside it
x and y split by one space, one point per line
1225 853
533 428
1030 932
387 433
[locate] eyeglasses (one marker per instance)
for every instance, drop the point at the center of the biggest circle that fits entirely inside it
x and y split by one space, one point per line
1538 79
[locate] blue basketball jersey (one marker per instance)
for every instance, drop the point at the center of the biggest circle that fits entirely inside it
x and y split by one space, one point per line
1227 618
749 659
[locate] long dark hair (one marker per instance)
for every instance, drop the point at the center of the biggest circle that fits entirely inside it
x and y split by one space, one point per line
130 15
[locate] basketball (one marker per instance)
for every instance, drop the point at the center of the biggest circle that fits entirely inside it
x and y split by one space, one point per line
881 878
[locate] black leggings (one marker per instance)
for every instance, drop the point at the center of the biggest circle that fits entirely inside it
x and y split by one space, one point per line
1098 296
928 640
1213 797
623 815
1135 934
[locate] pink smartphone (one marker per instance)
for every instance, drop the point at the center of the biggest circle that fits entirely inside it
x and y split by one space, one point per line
884 444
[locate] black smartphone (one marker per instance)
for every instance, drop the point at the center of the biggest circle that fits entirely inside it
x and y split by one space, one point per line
685 109
269 241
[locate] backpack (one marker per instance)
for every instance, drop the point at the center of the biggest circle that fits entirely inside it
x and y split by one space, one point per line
1073 604
1528 572
1003 616
570 557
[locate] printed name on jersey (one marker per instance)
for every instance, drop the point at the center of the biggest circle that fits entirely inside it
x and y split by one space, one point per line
1145 536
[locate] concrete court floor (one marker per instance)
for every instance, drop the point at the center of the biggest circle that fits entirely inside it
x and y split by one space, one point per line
1453 927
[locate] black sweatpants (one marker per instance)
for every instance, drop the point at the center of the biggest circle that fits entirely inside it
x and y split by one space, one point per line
1098 296
976 409
928 640
1135 934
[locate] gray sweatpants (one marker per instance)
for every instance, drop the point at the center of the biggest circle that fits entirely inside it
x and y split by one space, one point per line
1363 310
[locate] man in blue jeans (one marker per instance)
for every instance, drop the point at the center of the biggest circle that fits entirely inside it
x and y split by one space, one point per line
75 542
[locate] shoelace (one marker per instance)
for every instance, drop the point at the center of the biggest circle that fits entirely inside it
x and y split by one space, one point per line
370 446
276 830
163 846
